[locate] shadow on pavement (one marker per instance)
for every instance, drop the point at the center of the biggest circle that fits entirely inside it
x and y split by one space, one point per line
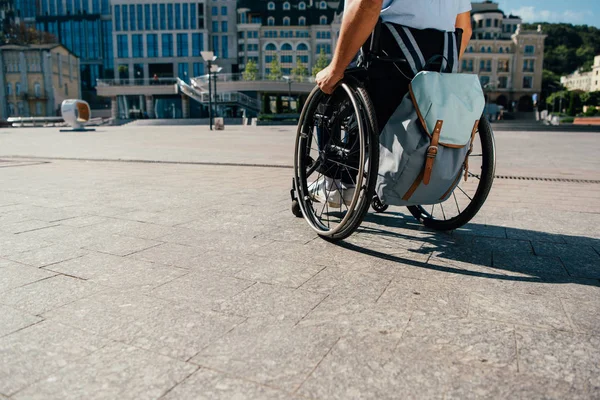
486 251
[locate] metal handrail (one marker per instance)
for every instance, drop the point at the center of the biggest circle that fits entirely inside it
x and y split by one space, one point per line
136 82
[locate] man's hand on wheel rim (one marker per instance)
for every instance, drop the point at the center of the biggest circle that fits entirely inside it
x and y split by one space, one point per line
328 79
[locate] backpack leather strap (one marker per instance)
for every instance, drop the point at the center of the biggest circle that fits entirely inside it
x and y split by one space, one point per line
432 151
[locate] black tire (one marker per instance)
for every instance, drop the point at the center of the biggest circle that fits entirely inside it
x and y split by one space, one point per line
366 122
486 178
378 206
296 209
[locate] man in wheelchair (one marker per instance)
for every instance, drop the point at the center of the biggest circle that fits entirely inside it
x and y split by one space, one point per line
414 31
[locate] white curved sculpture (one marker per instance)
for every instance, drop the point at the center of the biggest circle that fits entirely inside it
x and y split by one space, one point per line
75 113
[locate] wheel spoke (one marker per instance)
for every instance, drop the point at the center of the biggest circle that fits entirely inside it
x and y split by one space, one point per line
443 213
469 197
456 201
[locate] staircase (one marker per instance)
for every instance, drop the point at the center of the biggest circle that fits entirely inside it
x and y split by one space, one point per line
232 98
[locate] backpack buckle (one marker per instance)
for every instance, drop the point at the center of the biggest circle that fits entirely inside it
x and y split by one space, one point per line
432 151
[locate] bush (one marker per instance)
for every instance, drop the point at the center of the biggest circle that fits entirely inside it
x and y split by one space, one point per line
568 120
591 112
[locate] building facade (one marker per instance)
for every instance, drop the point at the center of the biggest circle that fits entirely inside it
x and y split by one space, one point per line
295 32
508 59
585 81
85 28
35 79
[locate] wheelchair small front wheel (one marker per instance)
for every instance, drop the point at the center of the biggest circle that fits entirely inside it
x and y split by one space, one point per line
296 209
335 160
378 206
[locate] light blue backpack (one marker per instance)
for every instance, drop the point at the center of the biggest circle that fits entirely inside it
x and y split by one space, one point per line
424 147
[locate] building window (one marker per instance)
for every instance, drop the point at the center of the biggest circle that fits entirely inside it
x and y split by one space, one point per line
286 5
323 20
177 16
37 89
271 21
528 65
152 44
287 59
215 11
503 66
485 65
182 45
215 26
125 20
117 18
11 109
137 46
495 23
528 82
163 17
198 69
193 16
286 21
132 17
186 16
225 47
326 48
484 80
323 5
302 21
224 26
170 16
122 48
529 49
22 108
197 44
167 45
66 90
271 6
482 49
224 11
467 65
38 108
215 45
302 6
182 71
147 17
503 82
500 50
17 88
155 16
302 47
488 23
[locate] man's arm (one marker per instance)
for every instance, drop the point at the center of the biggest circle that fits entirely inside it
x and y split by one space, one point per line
357 24
463 21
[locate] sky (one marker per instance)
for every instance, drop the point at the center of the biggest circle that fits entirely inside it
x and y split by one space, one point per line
570 11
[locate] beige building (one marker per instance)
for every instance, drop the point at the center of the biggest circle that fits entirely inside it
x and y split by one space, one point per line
508 59
35 79
584 81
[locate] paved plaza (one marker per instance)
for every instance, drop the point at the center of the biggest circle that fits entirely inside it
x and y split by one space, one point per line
164 262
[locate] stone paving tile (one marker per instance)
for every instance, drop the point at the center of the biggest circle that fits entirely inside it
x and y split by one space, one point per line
38 351
484 231
353 315
580 261
82 221
269 301
67 235
537 236
426 297
11 244
215 241
341 282
475 342
12 320
277 355
172 254
529 264
118 272
16 275
159 218
545 312
48 255
509 246
24 226
277 271
205 384
119 245
108 311
116 371
367 367
585 315
45 295
137 229
201 290
573 358
472 383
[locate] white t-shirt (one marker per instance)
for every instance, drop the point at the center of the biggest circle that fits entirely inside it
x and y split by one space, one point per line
424 14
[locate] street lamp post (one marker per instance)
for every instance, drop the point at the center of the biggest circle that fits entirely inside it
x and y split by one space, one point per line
215 69
209 57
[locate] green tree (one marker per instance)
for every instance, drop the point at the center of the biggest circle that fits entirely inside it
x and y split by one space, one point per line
300 71
321 63
251 71
575 105
275 73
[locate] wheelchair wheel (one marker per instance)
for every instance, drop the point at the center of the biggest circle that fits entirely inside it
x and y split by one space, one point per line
377 205
335 159
469 196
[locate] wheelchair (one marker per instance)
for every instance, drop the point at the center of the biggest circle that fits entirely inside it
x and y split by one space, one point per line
337 142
